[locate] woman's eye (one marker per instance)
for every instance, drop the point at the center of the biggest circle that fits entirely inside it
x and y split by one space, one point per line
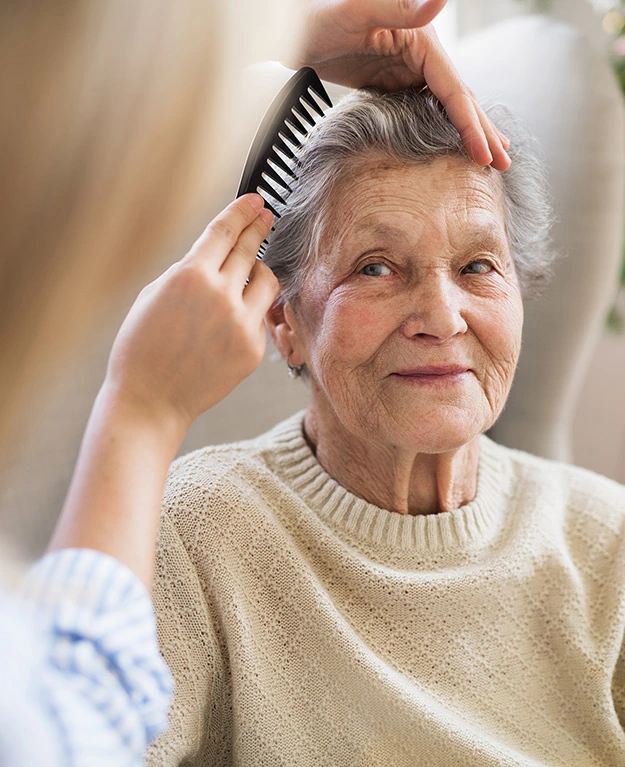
375 270
478 267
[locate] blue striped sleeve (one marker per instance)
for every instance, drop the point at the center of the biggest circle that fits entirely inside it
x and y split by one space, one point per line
104 681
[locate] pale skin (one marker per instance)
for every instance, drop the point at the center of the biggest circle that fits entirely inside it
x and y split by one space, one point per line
196 332
419 280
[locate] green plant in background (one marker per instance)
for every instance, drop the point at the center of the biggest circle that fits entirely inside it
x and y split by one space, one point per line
616 315
536 6
613 12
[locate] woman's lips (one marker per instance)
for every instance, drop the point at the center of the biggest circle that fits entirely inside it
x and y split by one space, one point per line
434 375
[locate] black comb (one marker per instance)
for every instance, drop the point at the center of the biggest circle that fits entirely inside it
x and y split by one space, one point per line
271 160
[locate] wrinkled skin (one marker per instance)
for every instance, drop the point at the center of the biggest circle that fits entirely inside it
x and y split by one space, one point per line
415 271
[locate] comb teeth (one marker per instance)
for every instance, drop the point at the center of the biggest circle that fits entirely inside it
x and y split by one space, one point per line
285 148
288 133
275 159
272 190
294 122
310 102
303 115
275 176
321 93
272 161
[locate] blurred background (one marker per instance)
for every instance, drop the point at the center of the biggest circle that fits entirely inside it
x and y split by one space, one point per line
561 66
597 422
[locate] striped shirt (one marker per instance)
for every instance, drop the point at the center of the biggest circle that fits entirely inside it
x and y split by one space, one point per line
82 680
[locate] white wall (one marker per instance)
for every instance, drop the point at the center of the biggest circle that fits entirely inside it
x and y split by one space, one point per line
599 426
473 15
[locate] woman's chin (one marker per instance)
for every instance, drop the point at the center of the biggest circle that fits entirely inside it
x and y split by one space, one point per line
441 430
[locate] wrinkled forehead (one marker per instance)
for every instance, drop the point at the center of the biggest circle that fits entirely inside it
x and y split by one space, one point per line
389 200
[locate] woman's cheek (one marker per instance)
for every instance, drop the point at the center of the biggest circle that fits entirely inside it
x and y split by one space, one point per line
499 329
355 324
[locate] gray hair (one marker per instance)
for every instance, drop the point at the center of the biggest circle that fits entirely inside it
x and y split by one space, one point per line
408 126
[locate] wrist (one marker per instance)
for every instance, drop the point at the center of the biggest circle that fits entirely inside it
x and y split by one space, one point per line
128 412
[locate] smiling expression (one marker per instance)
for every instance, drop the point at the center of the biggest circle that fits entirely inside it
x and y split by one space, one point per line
410 320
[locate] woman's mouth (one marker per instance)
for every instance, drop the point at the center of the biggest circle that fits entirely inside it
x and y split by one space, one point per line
434 375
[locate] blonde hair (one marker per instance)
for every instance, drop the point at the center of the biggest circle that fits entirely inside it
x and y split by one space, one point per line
105 113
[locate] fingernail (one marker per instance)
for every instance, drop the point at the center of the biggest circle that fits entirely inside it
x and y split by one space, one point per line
267 216
257 202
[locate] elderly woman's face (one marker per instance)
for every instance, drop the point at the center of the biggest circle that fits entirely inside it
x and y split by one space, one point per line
411 321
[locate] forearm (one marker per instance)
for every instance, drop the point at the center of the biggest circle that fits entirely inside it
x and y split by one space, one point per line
190 337
113 504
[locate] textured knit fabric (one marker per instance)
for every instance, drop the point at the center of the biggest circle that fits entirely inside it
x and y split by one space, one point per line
83 683
306 627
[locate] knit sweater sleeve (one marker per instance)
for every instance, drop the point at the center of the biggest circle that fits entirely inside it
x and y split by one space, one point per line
618 686
188 645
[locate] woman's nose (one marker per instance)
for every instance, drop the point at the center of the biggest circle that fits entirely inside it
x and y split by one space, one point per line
436 310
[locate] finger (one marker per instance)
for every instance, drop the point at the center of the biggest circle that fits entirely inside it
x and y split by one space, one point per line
484 143
262 289
501 160
429 57
221 235
241 258
398 14
505 141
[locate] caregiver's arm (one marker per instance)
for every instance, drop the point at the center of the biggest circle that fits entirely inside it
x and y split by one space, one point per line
190 338
391 44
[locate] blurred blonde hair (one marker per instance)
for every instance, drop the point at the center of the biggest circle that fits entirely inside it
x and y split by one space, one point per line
106 107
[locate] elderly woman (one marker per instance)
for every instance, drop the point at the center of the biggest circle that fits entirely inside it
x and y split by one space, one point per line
375 582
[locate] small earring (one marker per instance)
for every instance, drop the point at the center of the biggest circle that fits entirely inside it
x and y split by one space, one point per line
295 371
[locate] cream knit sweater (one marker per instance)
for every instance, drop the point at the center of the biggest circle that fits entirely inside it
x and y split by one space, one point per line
306 627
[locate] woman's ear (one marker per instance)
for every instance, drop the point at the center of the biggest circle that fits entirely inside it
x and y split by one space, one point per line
284 328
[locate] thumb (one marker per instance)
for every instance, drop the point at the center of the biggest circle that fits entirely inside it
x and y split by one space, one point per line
398 14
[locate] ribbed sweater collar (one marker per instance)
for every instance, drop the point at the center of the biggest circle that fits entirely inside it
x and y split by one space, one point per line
470 526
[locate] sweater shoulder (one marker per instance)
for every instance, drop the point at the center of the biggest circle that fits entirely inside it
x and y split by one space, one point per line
584 494
210 472
214 484
211 464
582 483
